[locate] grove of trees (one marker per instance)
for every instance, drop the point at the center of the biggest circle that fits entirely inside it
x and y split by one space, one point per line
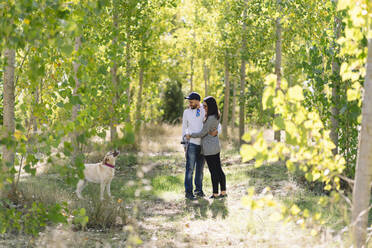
73 70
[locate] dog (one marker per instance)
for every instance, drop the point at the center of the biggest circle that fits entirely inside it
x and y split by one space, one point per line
101 173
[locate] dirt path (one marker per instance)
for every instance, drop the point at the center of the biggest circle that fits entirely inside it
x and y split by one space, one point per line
172 221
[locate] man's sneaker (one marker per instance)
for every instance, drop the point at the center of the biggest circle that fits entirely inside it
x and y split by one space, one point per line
190 197
199 194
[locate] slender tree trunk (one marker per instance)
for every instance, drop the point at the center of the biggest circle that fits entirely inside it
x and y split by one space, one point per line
363 176
206 75
33 117
139 100
8 102
208 80
191 74
335 97
76 107
232 120
114 78
152 111
242 102
278 61
76 66
227 97
128 68
242 79
41 92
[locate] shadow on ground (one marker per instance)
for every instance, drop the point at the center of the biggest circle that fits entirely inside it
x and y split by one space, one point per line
203 209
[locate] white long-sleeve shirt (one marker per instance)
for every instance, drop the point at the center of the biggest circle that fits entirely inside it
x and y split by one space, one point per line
194 124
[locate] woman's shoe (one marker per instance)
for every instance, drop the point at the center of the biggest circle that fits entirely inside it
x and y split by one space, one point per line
222 196
213 197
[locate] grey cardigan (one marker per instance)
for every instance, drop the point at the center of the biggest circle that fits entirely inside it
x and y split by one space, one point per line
210 144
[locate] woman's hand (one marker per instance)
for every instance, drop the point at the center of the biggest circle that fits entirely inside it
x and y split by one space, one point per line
188 136
213 132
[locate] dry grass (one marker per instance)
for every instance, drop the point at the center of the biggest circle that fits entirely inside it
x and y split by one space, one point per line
49 189
163 138
64 237
166 138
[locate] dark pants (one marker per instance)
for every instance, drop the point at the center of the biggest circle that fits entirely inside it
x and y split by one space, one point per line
194 160
217 175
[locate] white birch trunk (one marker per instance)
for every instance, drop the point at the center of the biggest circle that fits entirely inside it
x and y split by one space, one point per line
225 121
363 175
278 61
8 102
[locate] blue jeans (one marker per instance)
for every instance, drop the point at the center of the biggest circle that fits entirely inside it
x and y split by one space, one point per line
194 160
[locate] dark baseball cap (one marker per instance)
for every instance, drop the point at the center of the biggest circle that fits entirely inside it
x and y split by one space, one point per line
193 96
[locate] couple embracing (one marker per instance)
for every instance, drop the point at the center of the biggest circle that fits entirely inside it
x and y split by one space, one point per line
200 127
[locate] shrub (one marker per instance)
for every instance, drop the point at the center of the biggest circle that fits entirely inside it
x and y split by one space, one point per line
29 219
172 102
102 214
126 160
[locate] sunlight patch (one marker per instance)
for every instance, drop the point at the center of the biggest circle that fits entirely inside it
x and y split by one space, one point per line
170 196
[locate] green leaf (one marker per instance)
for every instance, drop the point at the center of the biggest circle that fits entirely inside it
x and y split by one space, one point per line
75 100
309 176
247 152
278 123
82 211
67 49
343 4
295 94
290 166
316 176
295 210
102 70
352 95
247 137
267 98
55 214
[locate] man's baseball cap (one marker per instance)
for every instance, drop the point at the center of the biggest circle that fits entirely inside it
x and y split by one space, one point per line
193 96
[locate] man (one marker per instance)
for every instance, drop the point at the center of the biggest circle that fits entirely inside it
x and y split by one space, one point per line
192 122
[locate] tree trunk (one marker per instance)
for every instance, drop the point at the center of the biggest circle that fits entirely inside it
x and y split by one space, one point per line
192 74
152 111
33 117
208 79
278 61
335 97
76 107
8 102
76 66
363 176
128 73
242 80
227 97
139 100
41 92
232 120
206 75
114 78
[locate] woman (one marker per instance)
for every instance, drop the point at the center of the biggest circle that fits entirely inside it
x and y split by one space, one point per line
211 146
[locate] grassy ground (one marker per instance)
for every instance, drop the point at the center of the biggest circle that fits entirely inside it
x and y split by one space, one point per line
148 203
